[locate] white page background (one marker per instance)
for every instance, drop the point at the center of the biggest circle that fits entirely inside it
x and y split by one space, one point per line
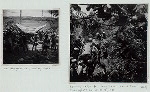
23 78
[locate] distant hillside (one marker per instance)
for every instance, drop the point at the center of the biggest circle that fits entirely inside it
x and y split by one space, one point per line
32 18
33 22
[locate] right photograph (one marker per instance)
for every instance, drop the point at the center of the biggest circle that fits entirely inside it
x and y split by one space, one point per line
108 43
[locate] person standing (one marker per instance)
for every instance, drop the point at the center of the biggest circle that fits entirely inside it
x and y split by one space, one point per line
35 42
46 44
53 40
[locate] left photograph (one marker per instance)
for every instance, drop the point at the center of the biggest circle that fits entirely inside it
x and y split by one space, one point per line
30 36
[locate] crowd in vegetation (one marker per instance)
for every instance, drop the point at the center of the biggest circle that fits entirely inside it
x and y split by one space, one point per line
122 43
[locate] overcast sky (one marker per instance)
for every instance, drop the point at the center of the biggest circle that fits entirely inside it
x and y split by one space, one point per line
83 8
32 13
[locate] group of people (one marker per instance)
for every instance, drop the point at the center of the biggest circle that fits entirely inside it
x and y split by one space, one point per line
86 55
16 40
48 41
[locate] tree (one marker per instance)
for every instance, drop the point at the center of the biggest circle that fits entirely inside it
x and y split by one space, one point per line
54 13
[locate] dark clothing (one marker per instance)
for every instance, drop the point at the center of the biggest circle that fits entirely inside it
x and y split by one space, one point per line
35 43
46 43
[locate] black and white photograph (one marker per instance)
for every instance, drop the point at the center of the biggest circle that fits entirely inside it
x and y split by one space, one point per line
30 36
108 43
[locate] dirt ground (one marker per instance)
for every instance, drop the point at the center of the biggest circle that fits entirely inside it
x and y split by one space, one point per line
31 57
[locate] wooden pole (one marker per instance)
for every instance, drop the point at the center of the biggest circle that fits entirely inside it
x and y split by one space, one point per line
42 15
20 15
